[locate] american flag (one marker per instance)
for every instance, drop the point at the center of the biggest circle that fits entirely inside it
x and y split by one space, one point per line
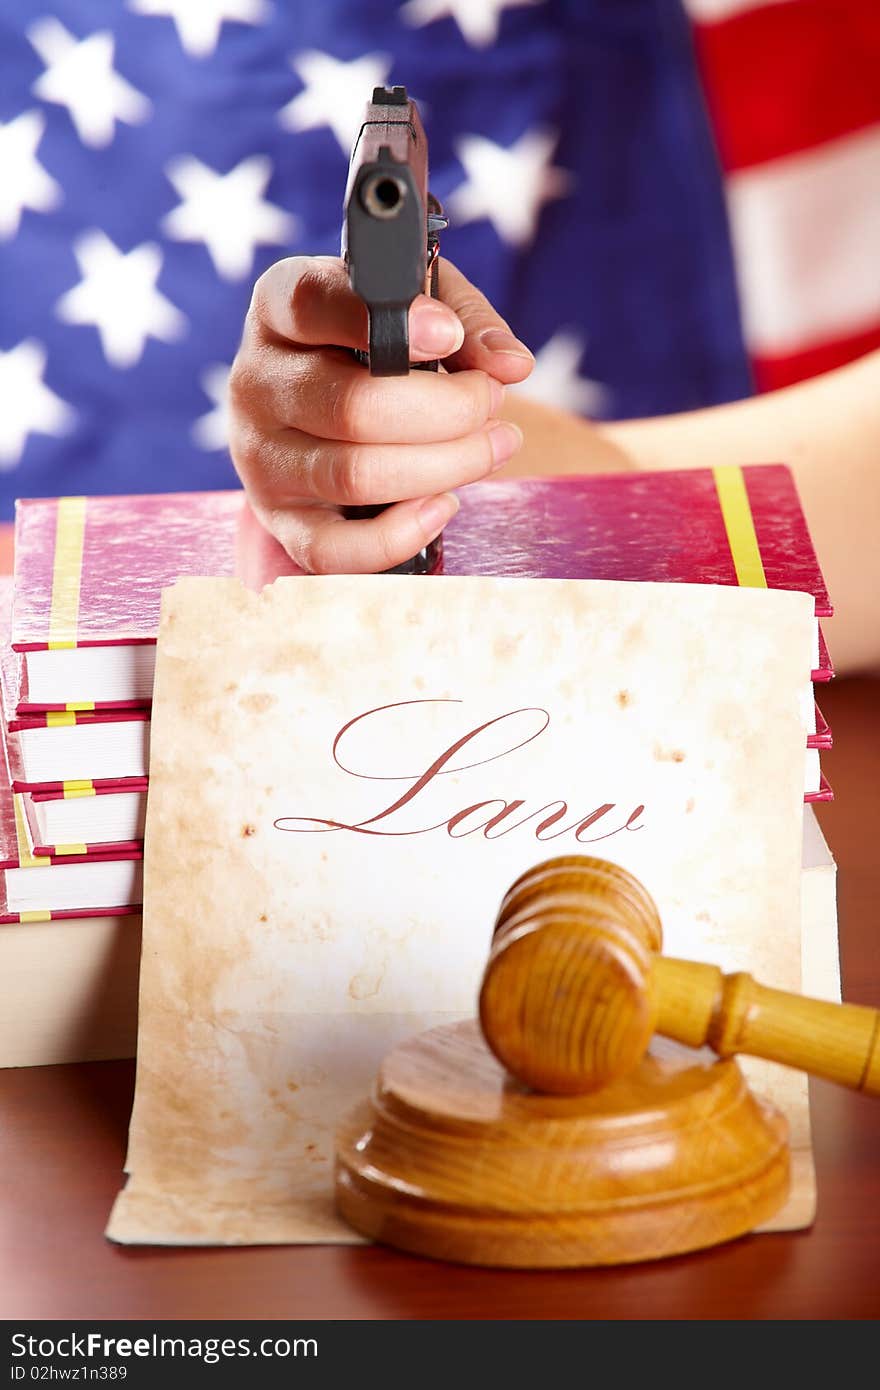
673 204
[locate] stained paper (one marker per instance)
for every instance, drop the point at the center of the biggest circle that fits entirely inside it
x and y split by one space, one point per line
346 775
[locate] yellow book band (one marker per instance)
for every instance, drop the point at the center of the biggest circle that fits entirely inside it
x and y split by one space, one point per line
71 849
35 915
70 526
26 858
57 719
740 527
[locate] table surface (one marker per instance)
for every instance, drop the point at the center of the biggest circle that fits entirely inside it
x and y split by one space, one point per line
62 1143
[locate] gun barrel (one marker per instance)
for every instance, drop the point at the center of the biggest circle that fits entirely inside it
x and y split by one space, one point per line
385 240
389 243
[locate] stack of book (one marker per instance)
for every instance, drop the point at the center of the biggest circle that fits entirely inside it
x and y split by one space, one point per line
81 616
70 895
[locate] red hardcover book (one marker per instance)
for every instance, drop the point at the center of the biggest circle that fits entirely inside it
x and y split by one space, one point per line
100 817
110 745
88 575
65 816
68 746
89 571
82 883
16 696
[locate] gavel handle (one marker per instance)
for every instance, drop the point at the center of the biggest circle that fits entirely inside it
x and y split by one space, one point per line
698 1004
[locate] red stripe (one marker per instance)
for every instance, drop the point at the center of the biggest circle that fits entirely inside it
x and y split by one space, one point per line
773 372
120 849
825 669
69 914
97 642
824 793
48 791
24 708
105 856
784 78
136 715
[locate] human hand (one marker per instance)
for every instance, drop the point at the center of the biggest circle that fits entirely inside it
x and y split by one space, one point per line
312 431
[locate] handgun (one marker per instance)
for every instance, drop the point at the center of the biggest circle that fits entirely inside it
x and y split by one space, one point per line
390 243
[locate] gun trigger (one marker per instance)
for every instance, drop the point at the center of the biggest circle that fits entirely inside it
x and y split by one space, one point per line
437 222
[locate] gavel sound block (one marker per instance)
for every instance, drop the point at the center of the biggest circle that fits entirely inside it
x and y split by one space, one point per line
561 1132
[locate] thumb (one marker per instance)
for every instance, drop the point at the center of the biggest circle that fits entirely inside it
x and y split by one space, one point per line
488 343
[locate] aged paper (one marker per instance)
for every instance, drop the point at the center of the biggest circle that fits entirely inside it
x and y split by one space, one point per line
346 775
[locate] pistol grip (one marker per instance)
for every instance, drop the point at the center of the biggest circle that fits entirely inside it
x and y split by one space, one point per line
389 340
389 356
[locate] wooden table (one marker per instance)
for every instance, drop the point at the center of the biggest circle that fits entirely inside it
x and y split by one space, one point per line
62 1142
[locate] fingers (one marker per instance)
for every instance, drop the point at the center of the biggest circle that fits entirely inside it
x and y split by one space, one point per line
488 345
321 542
307 301
331 395
312 432
286 467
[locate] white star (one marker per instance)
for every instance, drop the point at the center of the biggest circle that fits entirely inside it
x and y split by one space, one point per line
335 93
508 185
477 19
24 182
79 75
198 22
27 406
118 295
554 379
211 431
226 211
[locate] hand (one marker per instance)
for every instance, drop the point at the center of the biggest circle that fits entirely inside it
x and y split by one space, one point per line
312 431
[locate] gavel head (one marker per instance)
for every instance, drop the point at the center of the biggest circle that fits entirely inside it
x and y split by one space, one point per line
566 1002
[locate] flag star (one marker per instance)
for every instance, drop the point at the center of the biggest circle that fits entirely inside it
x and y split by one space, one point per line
510 185
79 75
555 378
118 295
198 22
335 93
478 20
211 431
226 211
28 405
24 183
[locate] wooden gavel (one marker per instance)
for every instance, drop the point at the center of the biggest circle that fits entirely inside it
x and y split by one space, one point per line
574 987
553 1135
